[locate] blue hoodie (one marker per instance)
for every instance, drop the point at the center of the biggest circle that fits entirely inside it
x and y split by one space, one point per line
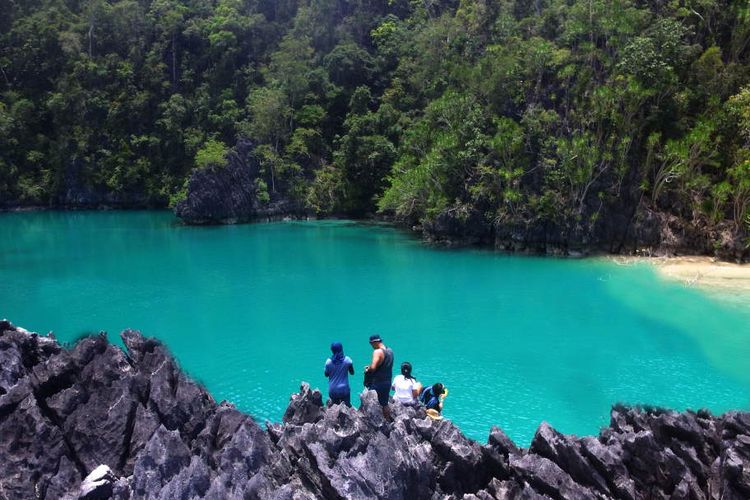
337 369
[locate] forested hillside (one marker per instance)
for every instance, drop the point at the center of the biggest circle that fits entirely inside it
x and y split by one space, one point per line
504 120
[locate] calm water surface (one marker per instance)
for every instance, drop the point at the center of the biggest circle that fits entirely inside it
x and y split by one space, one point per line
250 311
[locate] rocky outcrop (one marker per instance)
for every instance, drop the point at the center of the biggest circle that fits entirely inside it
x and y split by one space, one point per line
619 230
97 422
231 194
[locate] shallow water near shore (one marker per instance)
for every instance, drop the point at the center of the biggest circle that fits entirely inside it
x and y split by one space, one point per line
250 311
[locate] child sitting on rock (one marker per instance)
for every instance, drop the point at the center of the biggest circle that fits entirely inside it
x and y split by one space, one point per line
432 397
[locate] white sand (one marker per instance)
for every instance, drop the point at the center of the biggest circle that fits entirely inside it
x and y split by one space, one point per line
703 272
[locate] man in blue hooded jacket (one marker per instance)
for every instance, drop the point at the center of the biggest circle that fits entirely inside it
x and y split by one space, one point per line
337 369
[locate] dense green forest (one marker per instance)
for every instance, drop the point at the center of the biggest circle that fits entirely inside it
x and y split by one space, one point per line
509 110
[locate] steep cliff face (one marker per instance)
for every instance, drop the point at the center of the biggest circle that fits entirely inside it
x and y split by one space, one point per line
634 229
96 422
231 194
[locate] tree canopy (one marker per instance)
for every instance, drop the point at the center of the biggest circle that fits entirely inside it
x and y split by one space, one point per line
519 111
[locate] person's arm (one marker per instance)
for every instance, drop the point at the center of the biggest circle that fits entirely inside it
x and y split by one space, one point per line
423 396
377 357
327 370
417 390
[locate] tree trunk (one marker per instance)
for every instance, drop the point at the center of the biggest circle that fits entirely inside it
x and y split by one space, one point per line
174 61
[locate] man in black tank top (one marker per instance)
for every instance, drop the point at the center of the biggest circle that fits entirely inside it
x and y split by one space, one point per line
380 372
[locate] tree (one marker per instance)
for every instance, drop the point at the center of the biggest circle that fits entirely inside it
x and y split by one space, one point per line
168 17
212 154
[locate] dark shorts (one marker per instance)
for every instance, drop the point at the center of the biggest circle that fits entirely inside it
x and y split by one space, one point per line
337 398
383 389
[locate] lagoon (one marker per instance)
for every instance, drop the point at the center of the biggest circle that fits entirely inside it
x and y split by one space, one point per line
250 310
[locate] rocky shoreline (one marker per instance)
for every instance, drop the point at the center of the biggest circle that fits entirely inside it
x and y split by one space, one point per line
93 421
232 194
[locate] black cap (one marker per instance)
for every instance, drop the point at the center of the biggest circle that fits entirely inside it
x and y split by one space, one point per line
375 338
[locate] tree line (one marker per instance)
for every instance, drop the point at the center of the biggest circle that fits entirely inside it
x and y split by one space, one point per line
544 110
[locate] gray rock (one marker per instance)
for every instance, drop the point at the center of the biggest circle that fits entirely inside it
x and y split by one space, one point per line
162 459
501 443
304 407
607 460
229 194
567 454
549 479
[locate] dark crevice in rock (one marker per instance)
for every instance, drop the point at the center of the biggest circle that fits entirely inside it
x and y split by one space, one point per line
8 409
55 420
56 384
146 396
173 380
127 438
30 357
316 480
167 422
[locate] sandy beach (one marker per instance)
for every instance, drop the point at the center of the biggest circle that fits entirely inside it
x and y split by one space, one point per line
703 272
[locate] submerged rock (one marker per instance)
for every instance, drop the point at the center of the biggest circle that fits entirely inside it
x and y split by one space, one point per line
97 422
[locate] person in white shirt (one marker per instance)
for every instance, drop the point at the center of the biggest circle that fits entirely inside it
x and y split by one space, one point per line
406 387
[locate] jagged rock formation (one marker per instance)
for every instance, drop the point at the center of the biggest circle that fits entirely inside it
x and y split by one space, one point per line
230 194
96 422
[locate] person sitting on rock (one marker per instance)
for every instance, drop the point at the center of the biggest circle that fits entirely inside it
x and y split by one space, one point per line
337 369
431 397
406 387
379 372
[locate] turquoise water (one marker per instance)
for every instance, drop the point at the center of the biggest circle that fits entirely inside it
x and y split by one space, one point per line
250 311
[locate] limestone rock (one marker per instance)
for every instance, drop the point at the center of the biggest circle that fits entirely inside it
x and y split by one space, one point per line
230 194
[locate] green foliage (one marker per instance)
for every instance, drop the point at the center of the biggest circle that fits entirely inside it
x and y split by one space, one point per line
497 180
261 190
655 56
739 186
212 154
365 154
178 195
270 114
520 111
327 190
437 152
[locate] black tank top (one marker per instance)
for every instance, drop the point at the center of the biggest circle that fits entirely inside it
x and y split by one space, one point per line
384 371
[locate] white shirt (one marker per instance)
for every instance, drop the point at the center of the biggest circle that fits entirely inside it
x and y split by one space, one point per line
404 388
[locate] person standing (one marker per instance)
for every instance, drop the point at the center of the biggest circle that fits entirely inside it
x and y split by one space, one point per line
380 372
337 369
405 386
